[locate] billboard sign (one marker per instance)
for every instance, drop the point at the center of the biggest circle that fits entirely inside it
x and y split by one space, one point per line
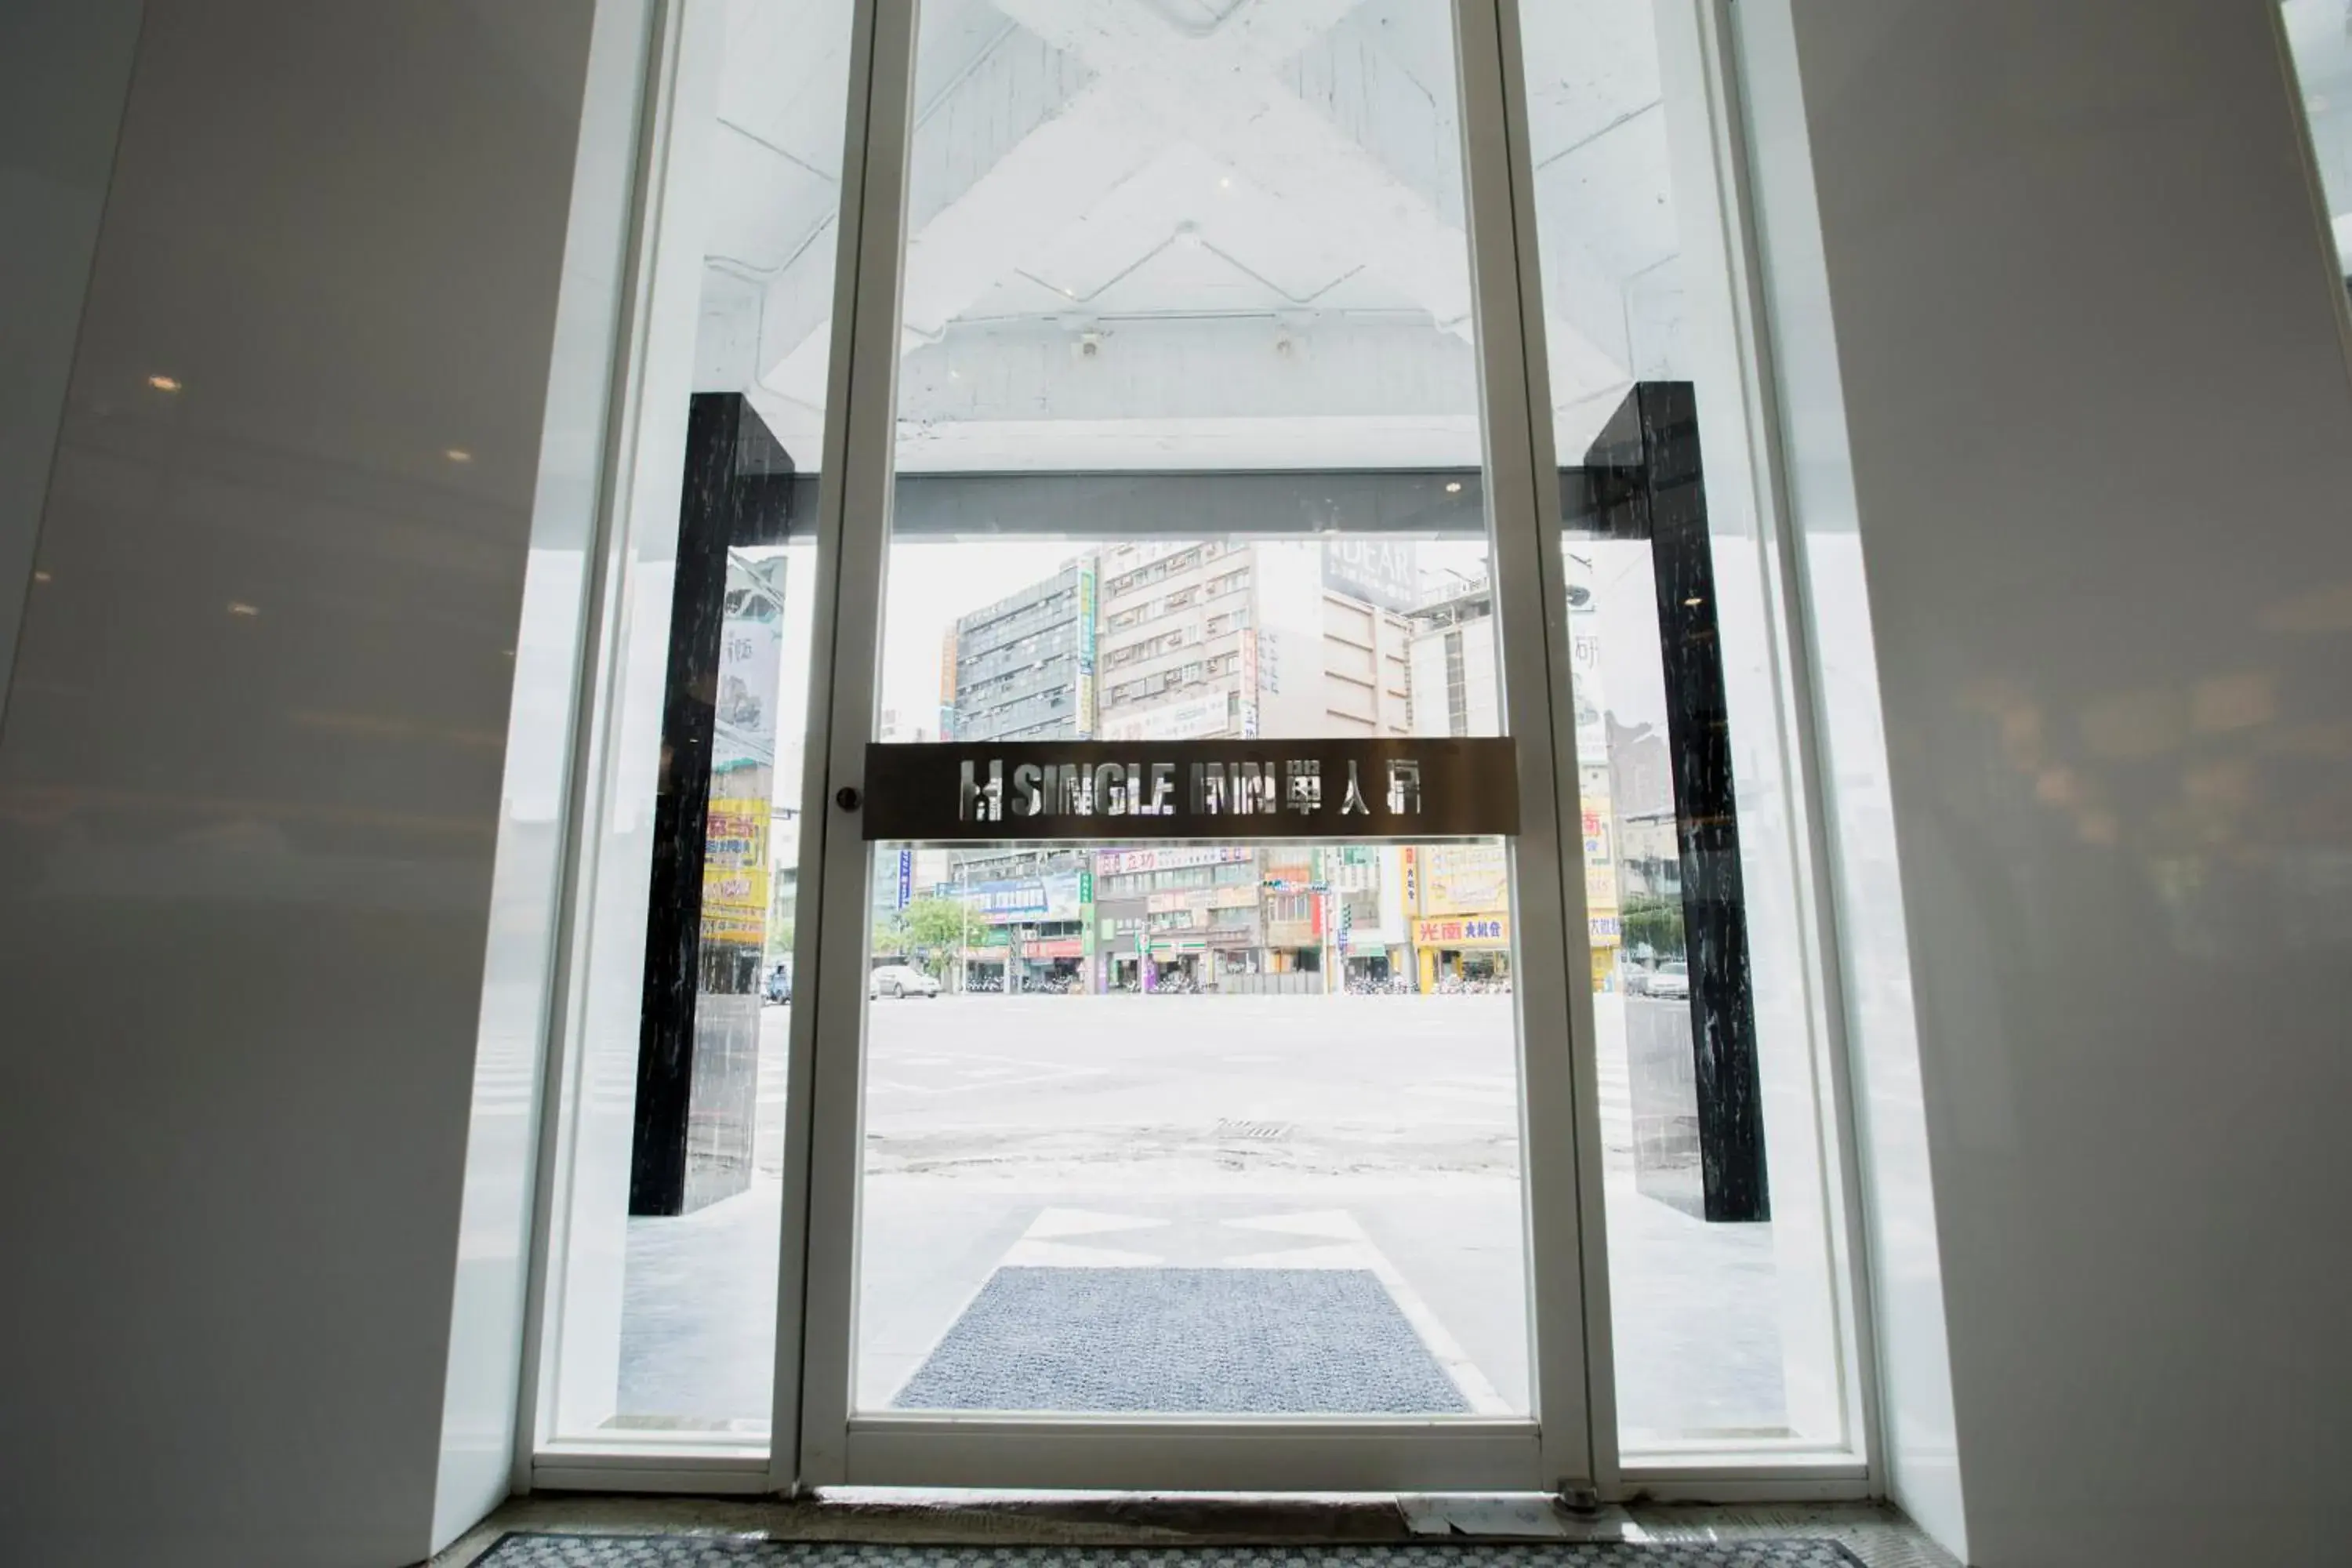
1186 720
735 873
1120 862
1464 878
1381 572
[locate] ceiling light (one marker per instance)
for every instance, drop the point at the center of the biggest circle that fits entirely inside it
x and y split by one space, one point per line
239 608
163 382
1453 487
459 455
40 576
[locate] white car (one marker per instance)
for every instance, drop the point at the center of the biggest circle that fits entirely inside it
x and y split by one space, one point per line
1668 982
900 979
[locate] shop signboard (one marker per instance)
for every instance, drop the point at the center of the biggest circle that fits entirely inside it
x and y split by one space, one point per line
1053 897
948 685
1087 710
1464 933
1186 720
1464 878
1175 857
1249 682
735 873
751 670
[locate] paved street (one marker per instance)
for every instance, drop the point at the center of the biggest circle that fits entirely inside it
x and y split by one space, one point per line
1376 1133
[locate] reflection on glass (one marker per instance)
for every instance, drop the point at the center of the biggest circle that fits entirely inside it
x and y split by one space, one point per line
1718 1221
2319 35
1188 448
662 1321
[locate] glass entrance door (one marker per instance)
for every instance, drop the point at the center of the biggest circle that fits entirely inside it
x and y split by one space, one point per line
1190 1091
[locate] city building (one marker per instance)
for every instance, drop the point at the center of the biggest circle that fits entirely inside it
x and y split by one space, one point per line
1457 690
1187 915
1207 638
1022 668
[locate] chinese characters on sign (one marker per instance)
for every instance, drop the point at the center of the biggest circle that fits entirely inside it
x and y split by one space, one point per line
1393 788
1488 931
1212 789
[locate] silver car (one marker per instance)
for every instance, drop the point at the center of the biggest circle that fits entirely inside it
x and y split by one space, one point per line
1668 982
900 979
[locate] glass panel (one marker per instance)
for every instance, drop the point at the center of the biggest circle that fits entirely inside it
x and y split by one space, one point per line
663 1320
1189 447
2319 34
1718 1220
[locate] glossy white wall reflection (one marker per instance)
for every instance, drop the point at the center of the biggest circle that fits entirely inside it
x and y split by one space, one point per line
2087 374
250 775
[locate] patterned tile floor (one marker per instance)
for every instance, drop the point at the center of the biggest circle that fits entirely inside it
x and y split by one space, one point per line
703 1551
1877 1536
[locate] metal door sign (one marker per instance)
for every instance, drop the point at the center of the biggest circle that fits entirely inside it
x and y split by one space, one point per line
1230 790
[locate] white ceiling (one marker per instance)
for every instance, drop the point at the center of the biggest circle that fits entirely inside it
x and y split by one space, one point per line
1176 233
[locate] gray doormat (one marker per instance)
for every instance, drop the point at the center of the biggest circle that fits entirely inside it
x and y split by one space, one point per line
677 1551
1253 1342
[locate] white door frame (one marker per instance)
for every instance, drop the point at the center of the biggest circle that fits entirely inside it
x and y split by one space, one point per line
1562 1443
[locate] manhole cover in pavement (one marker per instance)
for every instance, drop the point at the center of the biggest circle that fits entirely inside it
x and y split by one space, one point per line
1228 1128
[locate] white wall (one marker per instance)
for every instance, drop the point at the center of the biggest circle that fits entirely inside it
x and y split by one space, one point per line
245 859
64 69
2100 429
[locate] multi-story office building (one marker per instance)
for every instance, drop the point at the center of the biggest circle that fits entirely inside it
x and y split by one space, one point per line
1022 668
1451 654
1243 637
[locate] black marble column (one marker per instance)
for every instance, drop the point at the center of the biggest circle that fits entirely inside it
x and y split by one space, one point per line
698 1044
1642 479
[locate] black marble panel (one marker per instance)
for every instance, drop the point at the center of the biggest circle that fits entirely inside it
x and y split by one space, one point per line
1643 479
697 1060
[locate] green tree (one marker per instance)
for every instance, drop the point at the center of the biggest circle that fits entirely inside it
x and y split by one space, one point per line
934 931
1649 919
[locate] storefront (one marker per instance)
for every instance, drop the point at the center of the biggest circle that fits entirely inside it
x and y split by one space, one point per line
1457 951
